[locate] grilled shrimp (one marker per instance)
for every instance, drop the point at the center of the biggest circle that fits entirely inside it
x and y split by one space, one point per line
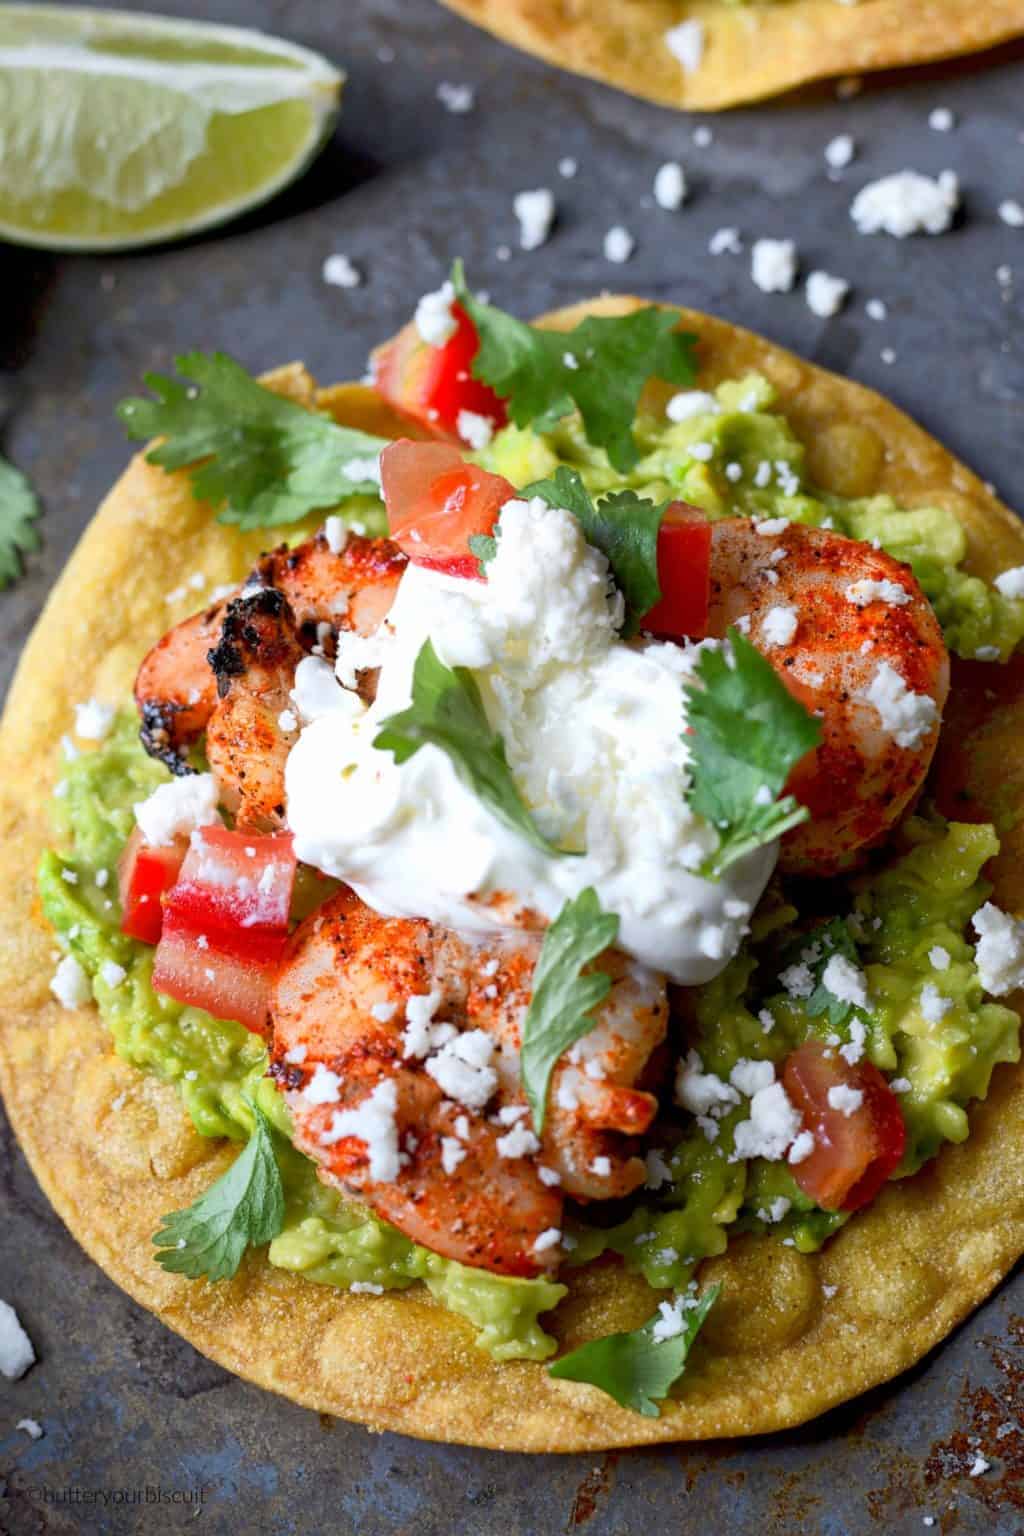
853 637
397 1044
178 684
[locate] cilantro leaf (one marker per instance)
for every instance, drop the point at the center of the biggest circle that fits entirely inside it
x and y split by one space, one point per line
637 1369
623 526
612 357
19 508
243 1209
257 457
746 731
815 949
563 1000
448 712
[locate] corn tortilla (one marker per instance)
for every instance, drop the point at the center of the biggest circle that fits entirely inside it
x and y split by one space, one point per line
113 1148
749 50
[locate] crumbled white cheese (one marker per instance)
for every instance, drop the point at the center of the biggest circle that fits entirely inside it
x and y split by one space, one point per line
773 265
1011 582
876 309
751 1076
801 1149
434 319
456 98
112 974
941 120
518 1142
287 721
602 1167
462 1068
685 42
549 1238
70 985
670 186
771 1128
846 1099
999 953
866 591
336 533
768 527
671 1319
358 470
535 211
474 429
907 203
372 1121
726 242
16 1352
619 244
934 1006
846 981
797 980
452 1153
339 272
421 1035
549 1176
909 716
658 1170
825 294
939 957
779 625
978 1466
31 1427
93 720
700 1091
365 1288
1010 211
567 167
840 151
775 1209
296 1055
900 1084
177 809
323 1087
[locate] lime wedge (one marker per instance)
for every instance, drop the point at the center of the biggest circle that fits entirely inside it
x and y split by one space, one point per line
119 130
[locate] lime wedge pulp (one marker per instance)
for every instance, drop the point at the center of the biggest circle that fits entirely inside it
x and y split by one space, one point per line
119 130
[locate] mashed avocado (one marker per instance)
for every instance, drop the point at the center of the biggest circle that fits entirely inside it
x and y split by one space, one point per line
217 1065
757 469
902 918
907 928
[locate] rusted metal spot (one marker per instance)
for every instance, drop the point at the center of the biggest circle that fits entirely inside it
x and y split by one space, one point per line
992 1426
594 1488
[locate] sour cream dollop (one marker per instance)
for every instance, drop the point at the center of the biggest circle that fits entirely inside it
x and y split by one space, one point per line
594 731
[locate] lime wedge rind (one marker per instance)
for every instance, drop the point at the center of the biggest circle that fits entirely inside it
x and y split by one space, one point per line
119 131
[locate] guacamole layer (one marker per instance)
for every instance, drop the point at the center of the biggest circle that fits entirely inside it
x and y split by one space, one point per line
698 1195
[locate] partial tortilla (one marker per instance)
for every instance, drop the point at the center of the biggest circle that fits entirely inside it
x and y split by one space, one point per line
113 1148
749 50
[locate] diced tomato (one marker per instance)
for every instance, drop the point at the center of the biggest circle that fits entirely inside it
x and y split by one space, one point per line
433 384
144 874
436 502
226 924
684 574
853 1153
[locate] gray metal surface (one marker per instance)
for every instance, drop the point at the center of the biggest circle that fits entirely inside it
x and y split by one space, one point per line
405 185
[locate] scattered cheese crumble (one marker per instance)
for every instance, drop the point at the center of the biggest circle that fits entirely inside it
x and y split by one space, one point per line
907 203
177 809
70 985
999 953
773 265
908 716
535 211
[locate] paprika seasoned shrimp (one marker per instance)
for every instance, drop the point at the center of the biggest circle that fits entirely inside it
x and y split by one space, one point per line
347 588
853 637
397 1045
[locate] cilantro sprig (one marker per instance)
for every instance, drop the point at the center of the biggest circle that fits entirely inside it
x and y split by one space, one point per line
814 950
258 458
563 999
637 1369
599 367
623 526
447 711
746 731
19 508
243 1209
